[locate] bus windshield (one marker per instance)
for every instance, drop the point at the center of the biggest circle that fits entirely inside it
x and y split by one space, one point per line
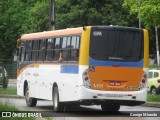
116 44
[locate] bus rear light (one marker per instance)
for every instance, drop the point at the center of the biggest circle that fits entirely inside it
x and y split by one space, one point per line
143 81
158 80
86 79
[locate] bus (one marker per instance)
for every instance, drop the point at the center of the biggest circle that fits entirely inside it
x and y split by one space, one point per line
91 65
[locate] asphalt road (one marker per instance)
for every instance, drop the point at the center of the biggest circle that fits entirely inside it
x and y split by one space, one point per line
85 112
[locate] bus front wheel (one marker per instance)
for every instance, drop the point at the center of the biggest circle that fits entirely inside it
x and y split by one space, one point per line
31 102
110 107
57 106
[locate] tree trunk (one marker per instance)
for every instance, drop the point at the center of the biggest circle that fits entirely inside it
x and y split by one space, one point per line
157 45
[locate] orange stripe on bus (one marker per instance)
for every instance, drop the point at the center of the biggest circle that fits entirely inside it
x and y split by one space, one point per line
20 71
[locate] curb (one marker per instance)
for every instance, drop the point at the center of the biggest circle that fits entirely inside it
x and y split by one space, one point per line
12 96
152 104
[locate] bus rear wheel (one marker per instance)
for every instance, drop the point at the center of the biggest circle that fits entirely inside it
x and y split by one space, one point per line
57 106
110 107
31 102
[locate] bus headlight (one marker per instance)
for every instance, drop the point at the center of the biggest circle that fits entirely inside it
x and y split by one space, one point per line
86 79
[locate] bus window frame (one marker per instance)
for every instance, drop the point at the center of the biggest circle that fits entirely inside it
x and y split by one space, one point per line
43 50
35 50
47 50
22 51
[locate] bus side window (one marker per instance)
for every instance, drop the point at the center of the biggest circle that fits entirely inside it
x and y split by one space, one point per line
35 50
66 50
42 47
58 43
75 48
28 48
64 42
57 48
22 54
50 50
78 42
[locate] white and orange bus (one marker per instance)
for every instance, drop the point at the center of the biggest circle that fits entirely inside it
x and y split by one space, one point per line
92 65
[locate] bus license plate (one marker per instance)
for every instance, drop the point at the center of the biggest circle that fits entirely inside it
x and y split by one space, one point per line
114 83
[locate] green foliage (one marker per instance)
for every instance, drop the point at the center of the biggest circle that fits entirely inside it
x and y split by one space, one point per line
19 17
153 98
8 91
150 11
38 17
71 13
150 16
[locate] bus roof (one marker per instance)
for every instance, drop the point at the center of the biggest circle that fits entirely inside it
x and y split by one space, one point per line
45 34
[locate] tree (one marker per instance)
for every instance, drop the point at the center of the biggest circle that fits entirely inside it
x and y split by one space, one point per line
150 14
150 11
71 13
19 17
38 17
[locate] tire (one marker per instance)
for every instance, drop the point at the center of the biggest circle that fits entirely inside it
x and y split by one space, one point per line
31 102
158 90
57 106
110 107
153 90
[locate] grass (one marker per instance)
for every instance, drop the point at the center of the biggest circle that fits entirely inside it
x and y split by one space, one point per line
154 66
8 107
153 98
8 91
